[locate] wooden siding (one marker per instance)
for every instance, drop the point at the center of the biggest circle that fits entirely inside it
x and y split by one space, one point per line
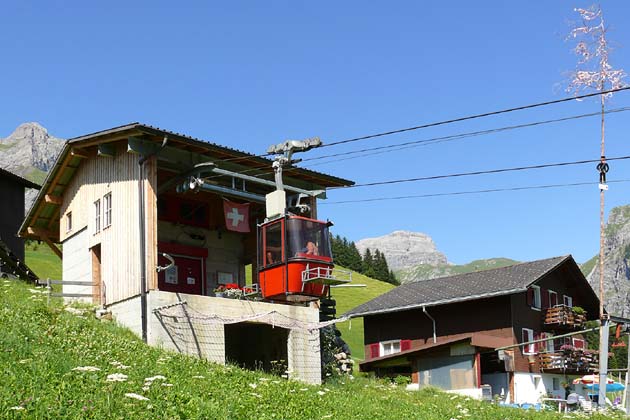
12 214
490 316
120 247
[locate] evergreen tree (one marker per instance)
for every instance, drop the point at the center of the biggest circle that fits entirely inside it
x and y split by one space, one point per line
368 264
355 262
392 278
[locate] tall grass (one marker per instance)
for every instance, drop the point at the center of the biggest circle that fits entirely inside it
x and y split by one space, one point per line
41 346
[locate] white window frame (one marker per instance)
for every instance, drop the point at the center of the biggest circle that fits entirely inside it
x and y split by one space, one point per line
551 292
97 216
107 210
537 303
567 301
529 348
549 346
69 221
388 347
573 340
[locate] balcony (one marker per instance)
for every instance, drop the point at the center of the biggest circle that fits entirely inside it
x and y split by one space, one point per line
569 360
565 317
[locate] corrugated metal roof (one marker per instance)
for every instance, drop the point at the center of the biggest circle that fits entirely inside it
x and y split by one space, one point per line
481 284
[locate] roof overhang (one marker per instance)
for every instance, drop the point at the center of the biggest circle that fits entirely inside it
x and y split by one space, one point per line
181 152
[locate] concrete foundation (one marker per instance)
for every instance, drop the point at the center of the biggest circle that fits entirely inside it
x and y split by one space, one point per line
191 332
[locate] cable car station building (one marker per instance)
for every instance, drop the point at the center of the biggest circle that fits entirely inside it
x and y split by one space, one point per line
157 222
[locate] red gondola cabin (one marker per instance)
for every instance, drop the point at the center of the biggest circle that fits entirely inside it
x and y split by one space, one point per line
294 260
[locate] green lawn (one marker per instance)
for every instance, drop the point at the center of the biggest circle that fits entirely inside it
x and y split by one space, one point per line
62 365
349 297
41 259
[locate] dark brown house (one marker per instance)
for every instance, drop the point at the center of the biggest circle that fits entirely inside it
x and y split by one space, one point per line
445 331
12 210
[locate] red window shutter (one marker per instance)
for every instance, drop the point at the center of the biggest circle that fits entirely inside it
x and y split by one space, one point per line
544 296
530 297
405 345
579 343
536 345
374 350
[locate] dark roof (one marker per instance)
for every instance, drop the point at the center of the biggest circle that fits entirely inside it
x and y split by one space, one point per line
481 284
25 182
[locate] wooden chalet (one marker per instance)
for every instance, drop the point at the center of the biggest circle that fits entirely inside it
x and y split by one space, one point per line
119 199
12 189
445 331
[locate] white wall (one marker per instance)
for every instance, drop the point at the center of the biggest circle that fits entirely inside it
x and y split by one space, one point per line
192 334
76 263
528 389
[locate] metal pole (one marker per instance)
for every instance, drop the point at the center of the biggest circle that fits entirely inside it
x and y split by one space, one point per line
143 263
626 394
603 362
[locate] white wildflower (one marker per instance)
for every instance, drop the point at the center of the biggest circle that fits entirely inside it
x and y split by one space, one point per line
253 386
116 377
198 377
34 291
87 369
146 388
17 408
119 365
256 395
154 378
73 311
321 393
168 385
303 389
263 379
136 396
23 361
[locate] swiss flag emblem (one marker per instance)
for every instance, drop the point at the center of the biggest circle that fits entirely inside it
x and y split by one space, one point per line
236 216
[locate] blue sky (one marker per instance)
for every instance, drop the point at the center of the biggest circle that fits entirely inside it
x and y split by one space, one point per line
251 74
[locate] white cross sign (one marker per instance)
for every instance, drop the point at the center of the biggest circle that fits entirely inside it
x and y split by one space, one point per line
235 217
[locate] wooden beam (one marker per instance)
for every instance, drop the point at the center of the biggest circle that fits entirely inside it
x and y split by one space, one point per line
79 153
106 150
53 183
44 235
53 199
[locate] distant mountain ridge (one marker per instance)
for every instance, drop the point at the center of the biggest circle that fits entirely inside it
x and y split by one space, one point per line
616 263
30 151
404 249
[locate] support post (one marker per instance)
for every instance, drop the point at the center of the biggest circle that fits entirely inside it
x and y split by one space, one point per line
603 361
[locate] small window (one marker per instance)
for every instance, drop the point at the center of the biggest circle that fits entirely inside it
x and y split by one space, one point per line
528 335
556 384
553 298
97 216
568 301
107 211
579 343
69 221
390 347
533 297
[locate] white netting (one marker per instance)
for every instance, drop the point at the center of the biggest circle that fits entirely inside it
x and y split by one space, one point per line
274 318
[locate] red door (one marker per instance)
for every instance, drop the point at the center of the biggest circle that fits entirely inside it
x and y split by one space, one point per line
186 276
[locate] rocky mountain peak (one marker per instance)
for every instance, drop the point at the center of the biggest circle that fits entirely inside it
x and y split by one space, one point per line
31 131
404 249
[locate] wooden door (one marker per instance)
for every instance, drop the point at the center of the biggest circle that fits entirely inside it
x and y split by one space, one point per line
185 276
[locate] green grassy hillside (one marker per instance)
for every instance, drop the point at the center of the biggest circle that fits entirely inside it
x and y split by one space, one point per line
62 365
426 271
349 297
41 259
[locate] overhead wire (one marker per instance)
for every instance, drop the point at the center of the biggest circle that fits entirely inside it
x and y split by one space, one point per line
482 172
429 141
475 116
484 191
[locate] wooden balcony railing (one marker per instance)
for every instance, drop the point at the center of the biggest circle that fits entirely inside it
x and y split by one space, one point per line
564 317
569 361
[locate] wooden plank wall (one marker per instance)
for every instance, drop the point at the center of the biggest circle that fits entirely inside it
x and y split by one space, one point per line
120 248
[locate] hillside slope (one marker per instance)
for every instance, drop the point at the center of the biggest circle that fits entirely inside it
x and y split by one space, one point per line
63 363
426 271
349 297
